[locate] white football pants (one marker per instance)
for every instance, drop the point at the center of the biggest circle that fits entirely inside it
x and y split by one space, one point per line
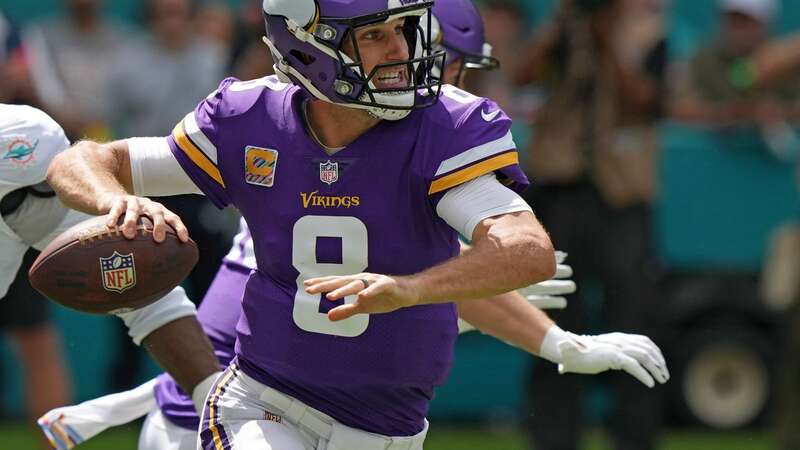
158 433
243 414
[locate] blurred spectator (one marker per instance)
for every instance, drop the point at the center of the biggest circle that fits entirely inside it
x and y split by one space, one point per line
504 22
776 61
592 161
720 87
506 29
24 314
215 22
741 79
746 79
9 43
16 86
250 57
182 68
70 58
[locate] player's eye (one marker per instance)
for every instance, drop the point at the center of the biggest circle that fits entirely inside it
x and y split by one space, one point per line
371 35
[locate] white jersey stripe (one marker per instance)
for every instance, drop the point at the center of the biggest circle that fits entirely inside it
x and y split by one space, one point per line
199 138
482 151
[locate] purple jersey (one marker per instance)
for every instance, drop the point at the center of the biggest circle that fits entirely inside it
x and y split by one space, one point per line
218 314
369 207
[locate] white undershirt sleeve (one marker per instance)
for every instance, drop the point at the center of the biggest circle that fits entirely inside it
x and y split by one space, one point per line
155 171
465 206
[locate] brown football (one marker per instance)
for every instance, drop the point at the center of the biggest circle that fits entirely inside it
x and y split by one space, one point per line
95 269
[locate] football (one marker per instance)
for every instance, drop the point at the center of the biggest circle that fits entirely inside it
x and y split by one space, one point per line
93 268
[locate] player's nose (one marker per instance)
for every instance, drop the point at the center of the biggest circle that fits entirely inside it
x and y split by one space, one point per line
397 47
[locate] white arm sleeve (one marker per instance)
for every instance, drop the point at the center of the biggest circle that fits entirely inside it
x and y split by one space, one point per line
143 321
12 249
154 169
465 206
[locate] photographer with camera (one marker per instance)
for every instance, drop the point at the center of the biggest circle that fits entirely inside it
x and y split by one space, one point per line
601 64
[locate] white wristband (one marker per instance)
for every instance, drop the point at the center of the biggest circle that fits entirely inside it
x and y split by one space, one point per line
549 349
144 321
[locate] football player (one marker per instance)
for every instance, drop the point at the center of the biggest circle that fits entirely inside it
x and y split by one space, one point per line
24 318
346 166
32 216
172 421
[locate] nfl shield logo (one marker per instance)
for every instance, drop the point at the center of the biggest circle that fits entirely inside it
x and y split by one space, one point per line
118 272
329 172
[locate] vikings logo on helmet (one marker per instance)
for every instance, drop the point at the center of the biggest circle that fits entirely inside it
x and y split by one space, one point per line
305 38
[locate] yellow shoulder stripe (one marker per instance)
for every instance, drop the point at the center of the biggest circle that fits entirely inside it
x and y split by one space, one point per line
468 173
194 153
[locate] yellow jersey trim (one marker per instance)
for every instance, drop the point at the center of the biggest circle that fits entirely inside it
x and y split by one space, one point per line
195 154
474 171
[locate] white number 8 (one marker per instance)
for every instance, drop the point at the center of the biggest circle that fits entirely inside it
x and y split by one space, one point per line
353 234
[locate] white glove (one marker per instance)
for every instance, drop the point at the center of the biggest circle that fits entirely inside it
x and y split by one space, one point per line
633 353
549 294
68 426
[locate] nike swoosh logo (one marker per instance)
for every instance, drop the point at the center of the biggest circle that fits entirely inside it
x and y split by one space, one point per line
489 116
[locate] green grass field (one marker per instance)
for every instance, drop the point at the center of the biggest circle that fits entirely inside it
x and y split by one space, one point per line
19 436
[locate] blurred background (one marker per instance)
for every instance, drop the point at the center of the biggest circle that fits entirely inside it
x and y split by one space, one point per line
662 142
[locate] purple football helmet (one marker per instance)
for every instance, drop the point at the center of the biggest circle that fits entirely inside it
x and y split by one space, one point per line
306 37
458 29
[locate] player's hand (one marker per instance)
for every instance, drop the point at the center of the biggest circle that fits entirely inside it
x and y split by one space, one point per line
635 354
132 207
374 293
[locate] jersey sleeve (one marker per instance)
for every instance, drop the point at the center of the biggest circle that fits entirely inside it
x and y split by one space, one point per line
29 140
194 142
479 144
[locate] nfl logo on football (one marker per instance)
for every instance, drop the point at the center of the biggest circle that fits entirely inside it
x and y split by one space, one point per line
329 172
118 272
